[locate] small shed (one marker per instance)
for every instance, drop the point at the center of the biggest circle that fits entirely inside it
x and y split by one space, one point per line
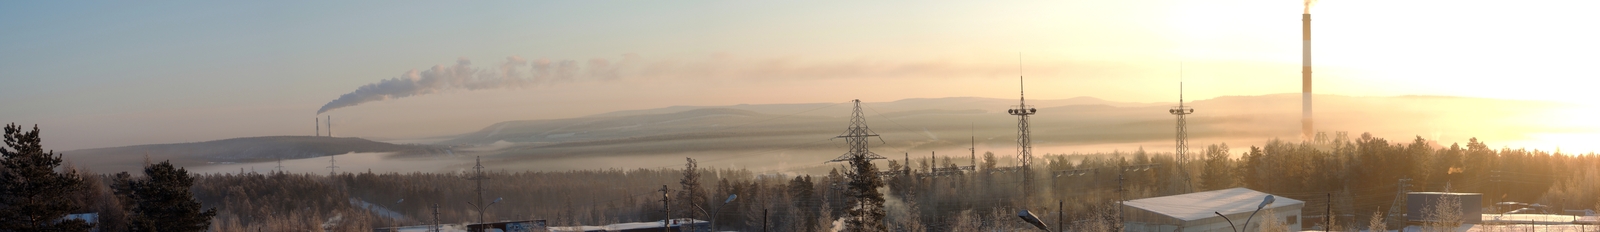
1198 211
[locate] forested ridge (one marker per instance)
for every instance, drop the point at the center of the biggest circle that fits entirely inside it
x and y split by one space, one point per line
1361 175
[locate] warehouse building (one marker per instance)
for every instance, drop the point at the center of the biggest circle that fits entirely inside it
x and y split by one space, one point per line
1200 211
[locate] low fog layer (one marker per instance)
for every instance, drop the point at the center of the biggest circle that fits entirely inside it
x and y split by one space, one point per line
797 137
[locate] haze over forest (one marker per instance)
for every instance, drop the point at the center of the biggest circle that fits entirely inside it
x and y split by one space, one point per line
798 137
362 115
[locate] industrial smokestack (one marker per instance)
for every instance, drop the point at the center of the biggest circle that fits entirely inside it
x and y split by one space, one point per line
330 125
1305 74
319 125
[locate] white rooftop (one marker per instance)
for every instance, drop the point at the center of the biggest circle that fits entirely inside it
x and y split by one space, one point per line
1200 205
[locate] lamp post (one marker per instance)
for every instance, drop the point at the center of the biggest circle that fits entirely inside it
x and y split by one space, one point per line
1264 203
484 207
1230 222
1033 220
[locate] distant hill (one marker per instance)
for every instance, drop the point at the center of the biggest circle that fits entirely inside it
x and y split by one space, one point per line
949 103
804 134
251 149
947 123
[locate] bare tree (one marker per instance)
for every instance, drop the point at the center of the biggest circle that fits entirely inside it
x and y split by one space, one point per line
1443 214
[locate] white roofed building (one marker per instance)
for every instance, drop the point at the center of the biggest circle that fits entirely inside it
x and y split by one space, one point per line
1198 211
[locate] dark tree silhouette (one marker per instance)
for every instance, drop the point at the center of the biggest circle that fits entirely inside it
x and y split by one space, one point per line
1218 173
161 201
866 210
33 196
692 198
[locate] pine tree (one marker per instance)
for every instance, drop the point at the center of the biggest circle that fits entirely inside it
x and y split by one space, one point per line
866 209
33 196
161 201
805 200
1218 173
692 198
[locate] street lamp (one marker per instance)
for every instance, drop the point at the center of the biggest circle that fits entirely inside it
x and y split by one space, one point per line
1034 220
484 207
1264 203
1230 222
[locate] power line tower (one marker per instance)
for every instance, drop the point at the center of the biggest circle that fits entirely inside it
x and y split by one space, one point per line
1024 142
1394 217
859 156
479 177
856 137
1182 175
280 165
333 167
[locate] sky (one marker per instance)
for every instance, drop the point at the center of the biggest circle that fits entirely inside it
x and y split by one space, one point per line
102 74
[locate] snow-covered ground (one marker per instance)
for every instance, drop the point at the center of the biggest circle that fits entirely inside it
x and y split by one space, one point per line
378 209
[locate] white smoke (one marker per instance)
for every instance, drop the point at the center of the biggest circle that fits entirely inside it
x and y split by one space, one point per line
462 75
517 72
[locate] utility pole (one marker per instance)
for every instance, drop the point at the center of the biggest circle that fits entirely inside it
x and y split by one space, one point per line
1329 215
667 206
1122 197
436 217
764 220
478 177
1061 207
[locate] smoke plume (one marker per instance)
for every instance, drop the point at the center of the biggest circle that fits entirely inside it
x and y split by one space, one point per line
517 72
509 74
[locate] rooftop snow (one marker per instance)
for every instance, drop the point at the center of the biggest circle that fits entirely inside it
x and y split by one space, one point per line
1200 205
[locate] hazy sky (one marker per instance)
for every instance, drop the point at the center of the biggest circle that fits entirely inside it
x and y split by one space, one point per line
112 74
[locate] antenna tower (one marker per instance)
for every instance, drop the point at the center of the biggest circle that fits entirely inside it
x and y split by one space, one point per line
478 177
973 146
1024 142
856 136
1183 135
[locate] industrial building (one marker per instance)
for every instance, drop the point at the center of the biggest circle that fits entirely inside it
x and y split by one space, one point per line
1199 211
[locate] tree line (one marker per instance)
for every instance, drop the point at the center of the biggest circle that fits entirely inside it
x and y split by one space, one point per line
37 193
1353 178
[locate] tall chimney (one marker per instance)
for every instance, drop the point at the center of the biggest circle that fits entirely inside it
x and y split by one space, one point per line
330 125
319 125
1305 76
